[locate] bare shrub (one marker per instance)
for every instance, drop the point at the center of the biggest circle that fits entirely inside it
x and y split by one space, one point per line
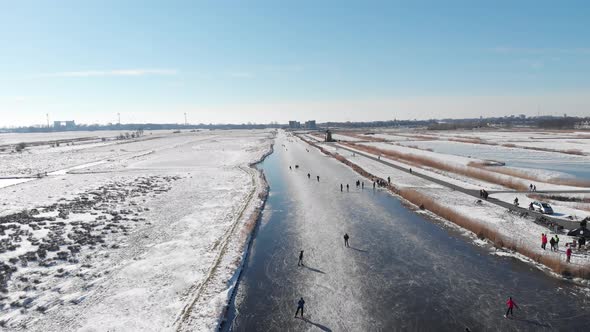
20 147
570 151
474 140
425 138
364 137
575 152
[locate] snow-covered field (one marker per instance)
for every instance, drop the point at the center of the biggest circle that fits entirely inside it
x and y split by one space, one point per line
15 138
145 235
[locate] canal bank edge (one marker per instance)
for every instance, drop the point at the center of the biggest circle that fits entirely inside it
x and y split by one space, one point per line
248 219
251 226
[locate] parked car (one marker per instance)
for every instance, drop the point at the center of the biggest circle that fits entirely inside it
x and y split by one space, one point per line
544 208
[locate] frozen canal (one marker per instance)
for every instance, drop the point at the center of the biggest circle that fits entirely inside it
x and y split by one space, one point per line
570 165
402 272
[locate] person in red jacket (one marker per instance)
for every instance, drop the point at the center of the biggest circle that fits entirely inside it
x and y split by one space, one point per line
543 241
511 304
568 253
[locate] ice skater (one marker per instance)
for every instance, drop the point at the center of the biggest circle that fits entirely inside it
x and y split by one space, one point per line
300 263
346 237
347 187
300 305
388 180
568 253
362 185
318 178
511 304
308 176
341 187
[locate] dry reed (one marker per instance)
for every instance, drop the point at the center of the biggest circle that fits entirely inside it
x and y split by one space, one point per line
473 172
530 176
482 231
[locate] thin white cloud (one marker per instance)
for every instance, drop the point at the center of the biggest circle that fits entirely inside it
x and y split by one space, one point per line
115 72
240 74
14 99
540 51
263 70
284 68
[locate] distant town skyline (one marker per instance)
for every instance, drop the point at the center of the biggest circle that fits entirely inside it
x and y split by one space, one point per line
264 61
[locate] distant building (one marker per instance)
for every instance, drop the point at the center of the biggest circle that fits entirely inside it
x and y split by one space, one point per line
310 124
64 125
294 125
329 136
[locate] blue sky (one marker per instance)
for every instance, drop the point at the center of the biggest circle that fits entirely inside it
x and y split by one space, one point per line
241 61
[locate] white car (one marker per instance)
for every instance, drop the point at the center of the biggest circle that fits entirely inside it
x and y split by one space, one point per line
544 208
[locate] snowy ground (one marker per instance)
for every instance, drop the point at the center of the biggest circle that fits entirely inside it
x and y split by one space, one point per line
148 237
563 210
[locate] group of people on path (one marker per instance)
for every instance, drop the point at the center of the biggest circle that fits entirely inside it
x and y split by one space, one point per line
532 187
554 242
483 194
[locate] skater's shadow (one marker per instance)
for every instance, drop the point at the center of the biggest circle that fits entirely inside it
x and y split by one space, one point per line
532 322
319 326
314 270
357 249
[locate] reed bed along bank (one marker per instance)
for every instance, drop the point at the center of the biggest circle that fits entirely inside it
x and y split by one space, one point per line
420 160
